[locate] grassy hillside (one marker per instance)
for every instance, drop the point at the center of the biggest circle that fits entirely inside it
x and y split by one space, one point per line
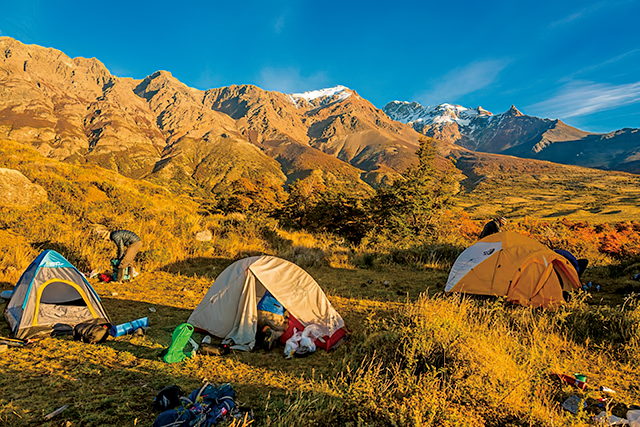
517 188
414 357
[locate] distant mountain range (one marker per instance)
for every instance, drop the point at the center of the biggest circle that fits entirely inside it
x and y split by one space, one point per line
513 133
160 129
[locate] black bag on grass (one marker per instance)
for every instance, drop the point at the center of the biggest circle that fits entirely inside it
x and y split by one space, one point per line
61 329
90 332
167 398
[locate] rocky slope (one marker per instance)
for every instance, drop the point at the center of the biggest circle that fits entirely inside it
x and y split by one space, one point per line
158 128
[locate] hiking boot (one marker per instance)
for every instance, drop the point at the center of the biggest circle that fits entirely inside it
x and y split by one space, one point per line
269 339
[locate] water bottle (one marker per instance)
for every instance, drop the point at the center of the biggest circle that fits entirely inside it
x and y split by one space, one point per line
572 381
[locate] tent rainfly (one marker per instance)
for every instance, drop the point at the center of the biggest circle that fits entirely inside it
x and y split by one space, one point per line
51 292
229 309
508 264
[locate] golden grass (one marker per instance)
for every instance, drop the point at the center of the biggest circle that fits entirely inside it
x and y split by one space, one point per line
575 193
417 361
414 356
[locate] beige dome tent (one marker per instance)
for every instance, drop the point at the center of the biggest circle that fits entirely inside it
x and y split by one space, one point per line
515 266
229 309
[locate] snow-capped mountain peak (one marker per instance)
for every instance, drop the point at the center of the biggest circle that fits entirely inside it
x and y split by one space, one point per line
418 116
321 96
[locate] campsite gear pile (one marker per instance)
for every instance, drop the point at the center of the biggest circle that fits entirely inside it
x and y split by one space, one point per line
52 293
576 404
580 381
521 269
229 310
203 407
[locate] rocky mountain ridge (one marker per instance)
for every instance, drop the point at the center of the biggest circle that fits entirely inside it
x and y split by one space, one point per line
240 136
517 134
159 128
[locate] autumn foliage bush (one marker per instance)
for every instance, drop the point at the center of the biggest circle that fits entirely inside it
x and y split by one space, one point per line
602 243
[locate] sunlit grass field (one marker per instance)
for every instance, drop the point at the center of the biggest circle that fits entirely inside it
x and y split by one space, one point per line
553 192
415 357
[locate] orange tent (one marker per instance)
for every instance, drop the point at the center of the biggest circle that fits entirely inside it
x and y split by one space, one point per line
512 265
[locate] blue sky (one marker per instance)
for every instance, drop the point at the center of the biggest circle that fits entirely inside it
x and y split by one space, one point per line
578 61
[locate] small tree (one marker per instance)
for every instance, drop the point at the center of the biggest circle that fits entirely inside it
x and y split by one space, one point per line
410 209
303 196
318 204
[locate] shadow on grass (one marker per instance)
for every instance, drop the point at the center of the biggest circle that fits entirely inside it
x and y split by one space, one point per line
198 266
70 254
561 213
114 383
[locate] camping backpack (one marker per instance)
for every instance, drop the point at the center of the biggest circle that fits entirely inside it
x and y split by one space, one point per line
90 332
203 408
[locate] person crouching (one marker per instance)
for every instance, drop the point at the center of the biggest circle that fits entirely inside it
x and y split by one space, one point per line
128 244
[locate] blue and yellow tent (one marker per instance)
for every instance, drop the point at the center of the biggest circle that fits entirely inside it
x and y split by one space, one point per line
51 292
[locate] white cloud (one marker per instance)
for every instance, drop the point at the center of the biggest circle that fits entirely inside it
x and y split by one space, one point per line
279 25
612 61
587 11
289 80
462 81
581 98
